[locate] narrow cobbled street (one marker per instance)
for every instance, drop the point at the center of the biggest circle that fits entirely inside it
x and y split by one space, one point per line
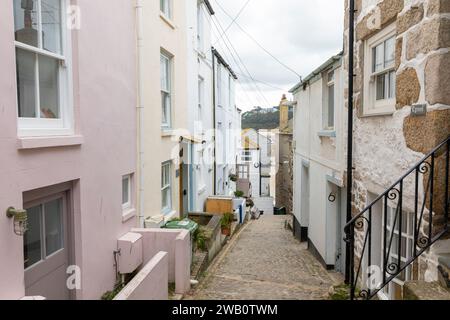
264 261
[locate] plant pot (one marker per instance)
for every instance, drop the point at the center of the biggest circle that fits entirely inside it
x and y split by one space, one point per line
226 231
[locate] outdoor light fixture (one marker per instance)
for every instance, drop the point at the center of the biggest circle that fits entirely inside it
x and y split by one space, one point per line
20 220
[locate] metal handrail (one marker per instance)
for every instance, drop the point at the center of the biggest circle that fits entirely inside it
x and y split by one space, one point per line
423 237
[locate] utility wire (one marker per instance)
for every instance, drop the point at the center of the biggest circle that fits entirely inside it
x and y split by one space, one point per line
219 27
232 22
258 89
262 82
257 43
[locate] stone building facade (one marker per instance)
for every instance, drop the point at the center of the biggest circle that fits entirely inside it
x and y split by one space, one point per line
402 61
285 157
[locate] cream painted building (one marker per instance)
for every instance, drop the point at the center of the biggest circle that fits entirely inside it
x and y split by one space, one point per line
163 109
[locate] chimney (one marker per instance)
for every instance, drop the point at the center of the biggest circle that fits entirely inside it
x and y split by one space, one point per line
284 114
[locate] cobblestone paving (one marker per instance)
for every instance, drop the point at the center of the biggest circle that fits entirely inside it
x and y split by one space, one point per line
265 262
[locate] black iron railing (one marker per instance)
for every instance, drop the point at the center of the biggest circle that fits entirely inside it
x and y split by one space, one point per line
388 236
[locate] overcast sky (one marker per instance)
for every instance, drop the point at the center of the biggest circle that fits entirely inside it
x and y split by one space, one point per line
301 33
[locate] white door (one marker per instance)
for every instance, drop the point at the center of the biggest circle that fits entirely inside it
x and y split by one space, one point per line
46 254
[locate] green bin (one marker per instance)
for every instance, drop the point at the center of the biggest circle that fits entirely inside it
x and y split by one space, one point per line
186 224
279 211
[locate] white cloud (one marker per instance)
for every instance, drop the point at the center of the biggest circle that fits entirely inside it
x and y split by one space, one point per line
301 33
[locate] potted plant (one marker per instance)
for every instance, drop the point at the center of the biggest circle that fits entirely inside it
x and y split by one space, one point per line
239 194
225 223
233 177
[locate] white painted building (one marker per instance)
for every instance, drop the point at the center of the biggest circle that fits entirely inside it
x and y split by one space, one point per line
227 119
319 162
256 152
200 101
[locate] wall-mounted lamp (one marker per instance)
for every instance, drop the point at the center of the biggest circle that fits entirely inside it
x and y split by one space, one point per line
20 220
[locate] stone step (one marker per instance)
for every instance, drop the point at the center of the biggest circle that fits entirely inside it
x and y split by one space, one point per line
421 290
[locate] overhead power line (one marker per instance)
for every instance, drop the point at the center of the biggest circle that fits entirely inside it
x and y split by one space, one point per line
238 62
257 43
232 22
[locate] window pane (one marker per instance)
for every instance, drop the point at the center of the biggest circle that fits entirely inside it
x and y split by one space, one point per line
380 87
165 74
378 58
26 83
125 190
26 22
48 87
51 25
392 84
389 53
165 7
165 199
32 238
331 106
165 99
54 234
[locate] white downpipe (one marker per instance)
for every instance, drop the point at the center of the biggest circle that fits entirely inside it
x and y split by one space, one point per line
140 107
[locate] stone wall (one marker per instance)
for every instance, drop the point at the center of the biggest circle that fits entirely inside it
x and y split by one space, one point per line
285 173
387 146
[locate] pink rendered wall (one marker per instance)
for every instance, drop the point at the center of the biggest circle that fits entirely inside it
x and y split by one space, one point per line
151 283
177 244
104 83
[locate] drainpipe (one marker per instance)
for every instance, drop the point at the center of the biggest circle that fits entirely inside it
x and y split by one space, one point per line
140 107
349 249
214 119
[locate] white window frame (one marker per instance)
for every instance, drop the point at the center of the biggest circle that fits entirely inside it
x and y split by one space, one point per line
326 103
166 8
371 105
387 292
200 27
219 85
28 127
247 156
166 209
128 204
168 123
201 98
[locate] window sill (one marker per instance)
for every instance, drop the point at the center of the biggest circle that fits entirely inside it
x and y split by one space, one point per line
49 142
169 215
166 132
128 214
167 20
369 114
327 133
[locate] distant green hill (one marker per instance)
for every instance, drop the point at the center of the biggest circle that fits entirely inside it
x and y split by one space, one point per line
259 118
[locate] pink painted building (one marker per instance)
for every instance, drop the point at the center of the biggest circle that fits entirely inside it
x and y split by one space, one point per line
68 143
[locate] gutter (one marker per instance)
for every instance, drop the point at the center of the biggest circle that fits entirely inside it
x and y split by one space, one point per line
140 106
317 71
209 6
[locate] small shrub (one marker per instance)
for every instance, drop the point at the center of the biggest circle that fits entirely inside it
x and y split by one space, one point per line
226 220
239 194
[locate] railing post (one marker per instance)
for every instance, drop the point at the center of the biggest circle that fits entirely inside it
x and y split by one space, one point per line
349 265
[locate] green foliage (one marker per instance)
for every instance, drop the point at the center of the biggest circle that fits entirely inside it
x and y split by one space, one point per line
239 194
201 237
226 220
342 292
110 295
259 118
